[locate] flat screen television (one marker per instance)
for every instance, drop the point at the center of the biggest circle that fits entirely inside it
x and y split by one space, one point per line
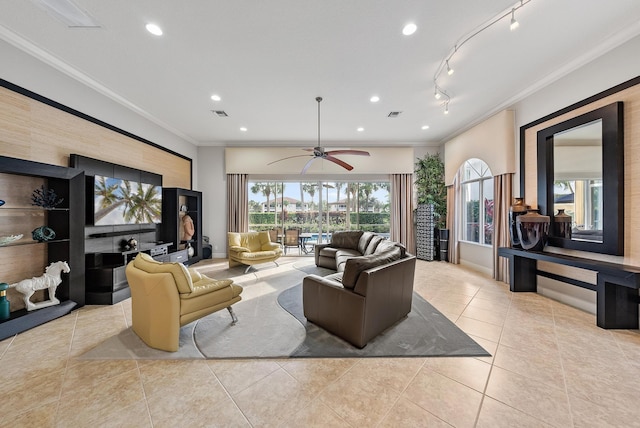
117 201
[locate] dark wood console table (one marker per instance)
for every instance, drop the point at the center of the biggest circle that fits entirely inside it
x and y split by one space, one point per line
616 289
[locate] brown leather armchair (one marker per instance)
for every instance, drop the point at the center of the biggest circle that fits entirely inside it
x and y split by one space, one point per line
166 296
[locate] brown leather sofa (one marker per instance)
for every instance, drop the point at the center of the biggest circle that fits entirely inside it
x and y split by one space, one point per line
371 291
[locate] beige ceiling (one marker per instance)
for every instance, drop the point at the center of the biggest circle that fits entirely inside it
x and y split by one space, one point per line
269 59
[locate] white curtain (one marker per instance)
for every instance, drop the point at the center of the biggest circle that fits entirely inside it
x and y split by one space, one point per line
237 203
402 211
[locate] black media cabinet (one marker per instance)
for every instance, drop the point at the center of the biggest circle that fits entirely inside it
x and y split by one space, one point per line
105 272
616 289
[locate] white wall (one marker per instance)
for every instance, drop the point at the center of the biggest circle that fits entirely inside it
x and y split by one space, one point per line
213 185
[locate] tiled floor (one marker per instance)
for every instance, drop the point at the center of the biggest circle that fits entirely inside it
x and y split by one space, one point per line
551 366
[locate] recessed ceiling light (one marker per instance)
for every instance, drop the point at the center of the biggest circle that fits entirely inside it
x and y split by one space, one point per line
360 129
154 29
409 29
215 97
374 99
243 129
425 127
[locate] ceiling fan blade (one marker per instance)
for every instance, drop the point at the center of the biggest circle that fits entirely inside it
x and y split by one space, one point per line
339 162
308 164
348 152
288 157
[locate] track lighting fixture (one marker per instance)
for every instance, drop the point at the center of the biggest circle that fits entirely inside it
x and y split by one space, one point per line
439 92
514 23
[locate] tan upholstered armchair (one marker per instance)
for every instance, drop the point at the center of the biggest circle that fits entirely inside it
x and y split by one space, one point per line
252 248
166 296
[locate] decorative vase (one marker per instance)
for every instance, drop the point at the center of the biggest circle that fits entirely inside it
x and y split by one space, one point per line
562 224
43 234
516 209
4 303
533 230
190 250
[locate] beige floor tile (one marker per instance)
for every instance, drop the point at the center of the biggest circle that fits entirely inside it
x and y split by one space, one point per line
94 403
40 416
590 414
87 374
358 399
530 396
468 371
486 315
133 415
186 378
407 414
543 366
495 414
445 398
315 415
391 373
237 375
317 374
273 400
480 328
23 394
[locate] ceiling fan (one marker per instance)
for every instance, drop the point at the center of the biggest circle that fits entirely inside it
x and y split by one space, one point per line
320 153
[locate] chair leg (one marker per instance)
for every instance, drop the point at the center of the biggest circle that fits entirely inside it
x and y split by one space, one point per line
247 269
234 318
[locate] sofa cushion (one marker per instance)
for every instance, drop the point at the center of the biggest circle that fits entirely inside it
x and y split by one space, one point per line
364 241
342 255
180 273
373 244
346 239
356 265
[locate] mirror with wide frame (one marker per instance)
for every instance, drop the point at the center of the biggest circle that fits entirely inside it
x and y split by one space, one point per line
581 170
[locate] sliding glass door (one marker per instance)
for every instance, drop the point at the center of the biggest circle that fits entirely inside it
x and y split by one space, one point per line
319 208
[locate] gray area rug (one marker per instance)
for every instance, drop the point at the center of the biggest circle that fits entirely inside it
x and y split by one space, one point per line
266 330
425 332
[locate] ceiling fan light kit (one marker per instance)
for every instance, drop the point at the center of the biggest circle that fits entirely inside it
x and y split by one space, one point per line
320 153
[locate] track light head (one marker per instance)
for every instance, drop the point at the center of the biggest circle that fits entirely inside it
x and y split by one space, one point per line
514 24
449 69
437 93
446 107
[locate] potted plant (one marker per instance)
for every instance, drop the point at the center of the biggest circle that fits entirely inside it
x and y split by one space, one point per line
432 206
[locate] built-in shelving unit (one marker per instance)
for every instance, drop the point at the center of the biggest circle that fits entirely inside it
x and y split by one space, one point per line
27 257
171 229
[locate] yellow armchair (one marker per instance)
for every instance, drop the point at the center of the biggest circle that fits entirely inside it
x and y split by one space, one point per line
166 296
251 248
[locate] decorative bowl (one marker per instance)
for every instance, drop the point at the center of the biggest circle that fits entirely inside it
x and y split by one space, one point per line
4 240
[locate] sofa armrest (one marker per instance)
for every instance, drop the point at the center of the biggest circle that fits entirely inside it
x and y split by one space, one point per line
271 246
337 310
239 249
316 251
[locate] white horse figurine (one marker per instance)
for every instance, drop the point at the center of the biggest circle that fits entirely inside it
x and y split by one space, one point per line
50 280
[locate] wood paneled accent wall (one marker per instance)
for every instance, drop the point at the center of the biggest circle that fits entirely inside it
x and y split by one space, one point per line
34 130
37 129
630 96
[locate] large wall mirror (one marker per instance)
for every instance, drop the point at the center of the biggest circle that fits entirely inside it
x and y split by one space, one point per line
581 174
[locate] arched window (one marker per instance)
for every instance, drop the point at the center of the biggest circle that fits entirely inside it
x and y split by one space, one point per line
476 191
